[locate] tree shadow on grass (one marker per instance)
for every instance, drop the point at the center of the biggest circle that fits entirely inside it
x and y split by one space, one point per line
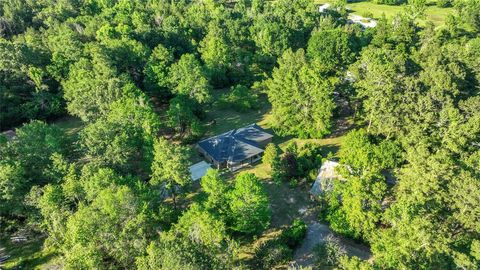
27 255
330 149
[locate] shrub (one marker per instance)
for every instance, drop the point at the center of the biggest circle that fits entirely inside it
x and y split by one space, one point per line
367 14
309 157
312 175
353 263
294 234
278 174
270 154
390 2
444 3
240 99
329 253
272 253
293 183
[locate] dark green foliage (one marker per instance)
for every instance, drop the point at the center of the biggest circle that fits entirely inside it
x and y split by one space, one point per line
178 252
26 91
297 162
170 167
13 189
309 157
197 241
355 205
156 71
183 118
294 235
330 48
187 78
26 161
33 146
249 210
123 138
217 190
444 3
280 250
96 215
361 153
272 253
329 253
282 25
92 86
240 98
216 53
390 2
302 101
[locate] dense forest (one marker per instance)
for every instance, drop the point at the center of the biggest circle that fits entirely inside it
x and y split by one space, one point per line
141 75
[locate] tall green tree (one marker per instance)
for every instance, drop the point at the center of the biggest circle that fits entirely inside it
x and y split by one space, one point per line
182 116
330 48
302 101
123 139
91 87
271 154
179 252
188 78
282 25
380 84
216 189
249 210
170 167
216 53
156 70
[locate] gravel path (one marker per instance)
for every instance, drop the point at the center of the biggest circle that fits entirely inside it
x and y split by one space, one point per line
318 233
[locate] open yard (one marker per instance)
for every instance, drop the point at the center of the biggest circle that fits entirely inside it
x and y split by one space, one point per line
286 202
26 255
433 13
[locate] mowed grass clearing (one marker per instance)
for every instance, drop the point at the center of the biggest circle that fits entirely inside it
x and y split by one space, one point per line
28 255
435 14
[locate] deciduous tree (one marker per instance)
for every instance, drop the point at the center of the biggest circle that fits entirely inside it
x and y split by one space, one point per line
249 210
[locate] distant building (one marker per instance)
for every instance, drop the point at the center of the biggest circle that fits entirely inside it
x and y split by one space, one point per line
235 148
362 21
325 178
9 134
323 8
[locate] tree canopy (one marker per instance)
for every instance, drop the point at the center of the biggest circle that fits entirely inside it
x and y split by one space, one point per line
102 102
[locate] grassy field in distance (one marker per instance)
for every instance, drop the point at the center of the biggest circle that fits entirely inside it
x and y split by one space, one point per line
434 14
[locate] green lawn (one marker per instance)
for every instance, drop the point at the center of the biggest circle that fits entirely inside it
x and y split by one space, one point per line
28 255
70 125
228 119
365 8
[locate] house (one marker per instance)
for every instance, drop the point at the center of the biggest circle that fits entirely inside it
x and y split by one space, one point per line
235 148
326 175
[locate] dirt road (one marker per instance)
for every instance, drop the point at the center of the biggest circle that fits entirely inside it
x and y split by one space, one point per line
318 233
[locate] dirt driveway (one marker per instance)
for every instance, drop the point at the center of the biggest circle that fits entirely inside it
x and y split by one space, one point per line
318 233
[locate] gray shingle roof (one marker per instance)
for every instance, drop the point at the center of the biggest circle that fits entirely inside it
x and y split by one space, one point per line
235 145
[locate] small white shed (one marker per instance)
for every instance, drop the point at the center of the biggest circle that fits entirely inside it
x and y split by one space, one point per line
323 7
326 175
